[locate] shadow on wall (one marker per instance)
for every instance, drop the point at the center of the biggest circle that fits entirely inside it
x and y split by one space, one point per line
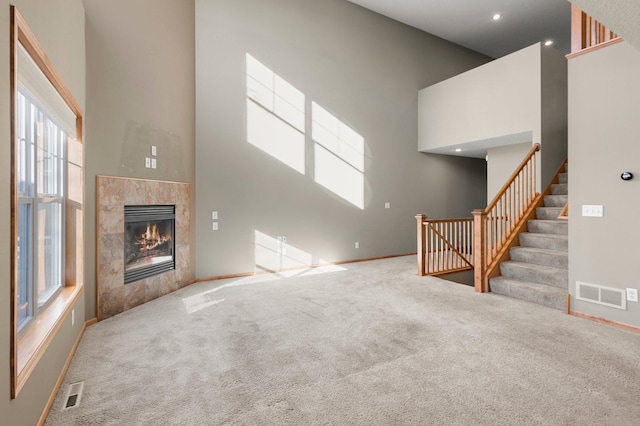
276 115
169 158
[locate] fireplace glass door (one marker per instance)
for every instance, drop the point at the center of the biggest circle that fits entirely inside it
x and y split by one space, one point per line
148 241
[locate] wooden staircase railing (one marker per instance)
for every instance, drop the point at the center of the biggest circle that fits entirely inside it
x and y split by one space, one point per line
444 245
587 33
564 213
496 227
481 243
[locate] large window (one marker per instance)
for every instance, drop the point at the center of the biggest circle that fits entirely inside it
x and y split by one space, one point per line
46 202
41 166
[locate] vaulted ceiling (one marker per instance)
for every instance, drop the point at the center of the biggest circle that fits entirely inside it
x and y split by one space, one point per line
470 24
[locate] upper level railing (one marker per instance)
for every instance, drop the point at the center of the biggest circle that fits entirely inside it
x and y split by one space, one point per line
587 33
495 226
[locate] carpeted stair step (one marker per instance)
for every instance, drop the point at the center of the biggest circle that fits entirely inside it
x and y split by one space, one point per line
555 200
560 189
538 256
563 177
539 274
550 297
544 241
538 226
548 213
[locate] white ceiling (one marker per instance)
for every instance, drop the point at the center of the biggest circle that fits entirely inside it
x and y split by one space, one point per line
469 23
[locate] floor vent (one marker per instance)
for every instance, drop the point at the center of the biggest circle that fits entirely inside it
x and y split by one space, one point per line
74 394
607 296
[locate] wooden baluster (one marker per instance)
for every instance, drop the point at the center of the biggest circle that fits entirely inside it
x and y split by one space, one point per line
421 244
512 218
452 241
437 254
456 244
577 29
433 251
442 253
520 189
445 249
456 227
503 222
448 238
466 241
479 244
436 250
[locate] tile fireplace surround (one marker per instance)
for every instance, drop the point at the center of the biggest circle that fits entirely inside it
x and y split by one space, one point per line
112 194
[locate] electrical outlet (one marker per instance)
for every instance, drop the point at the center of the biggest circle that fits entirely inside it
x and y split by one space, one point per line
153 163
387 205
357 244
592 211
147 162
214 215
214 226
154 150
632 294
284 238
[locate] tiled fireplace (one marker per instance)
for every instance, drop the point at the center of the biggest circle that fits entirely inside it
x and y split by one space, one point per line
147 254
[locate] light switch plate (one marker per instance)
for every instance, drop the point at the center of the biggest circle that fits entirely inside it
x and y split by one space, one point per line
214 215
592 210
387 205
147 162
153 163
214 226
154 150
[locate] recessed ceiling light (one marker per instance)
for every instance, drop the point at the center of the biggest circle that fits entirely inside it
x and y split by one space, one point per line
496 17
458 149
548 42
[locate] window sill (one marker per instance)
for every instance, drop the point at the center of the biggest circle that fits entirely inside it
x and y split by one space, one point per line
33 345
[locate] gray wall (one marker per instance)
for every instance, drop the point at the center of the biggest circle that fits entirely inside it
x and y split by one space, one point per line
364 69
501 164
604 94
553 113
140 92
59 27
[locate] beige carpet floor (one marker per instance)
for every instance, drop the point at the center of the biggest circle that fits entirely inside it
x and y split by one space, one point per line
361 344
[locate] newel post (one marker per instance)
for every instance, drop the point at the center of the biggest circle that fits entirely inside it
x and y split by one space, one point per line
479 247
421 244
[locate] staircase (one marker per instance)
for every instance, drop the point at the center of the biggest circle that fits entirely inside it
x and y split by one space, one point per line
538 269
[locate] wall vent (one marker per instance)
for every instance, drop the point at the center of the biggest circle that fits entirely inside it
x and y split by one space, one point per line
74 394
607 296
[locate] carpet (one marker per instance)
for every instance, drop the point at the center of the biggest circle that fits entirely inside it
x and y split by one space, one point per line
359 344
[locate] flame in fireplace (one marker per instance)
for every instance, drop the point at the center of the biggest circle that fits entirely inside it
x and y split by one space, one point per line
151 238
